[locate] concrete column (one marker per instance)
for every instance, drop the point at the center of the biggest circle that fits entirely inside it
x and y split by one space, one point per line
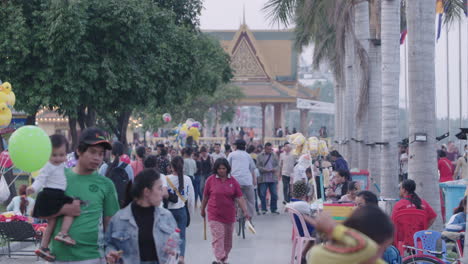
277 122
263 105
304 122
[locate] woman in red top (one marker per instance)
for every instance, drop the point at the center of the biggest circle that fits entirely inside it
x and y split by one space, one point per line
445 167
220 194
411 200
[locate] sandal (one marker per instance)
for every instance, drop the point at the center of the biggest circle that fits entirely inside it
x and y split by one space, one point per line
44 253
65 238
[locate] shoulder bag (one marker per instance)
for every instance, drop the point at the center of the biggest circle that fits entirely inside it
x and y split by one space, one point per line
181 198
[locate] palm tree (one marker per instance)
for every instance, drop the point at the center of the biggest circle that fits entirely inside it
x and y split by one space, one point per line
390 92
362 31
330 26
422 165
375 95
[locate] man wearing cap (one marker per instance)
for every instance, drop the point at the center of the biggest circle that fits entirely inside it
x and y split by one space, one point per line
99 201
242 169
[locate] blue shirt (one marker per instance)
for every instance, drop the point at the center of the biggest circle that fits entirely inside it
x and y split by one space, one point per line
457 223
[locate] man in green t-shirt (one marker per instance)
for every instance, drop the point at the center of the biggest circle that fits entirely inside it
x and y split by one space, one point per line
99 201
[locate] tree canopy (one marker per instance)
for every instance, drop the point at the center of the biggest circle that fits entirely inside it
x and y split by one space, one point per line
106 58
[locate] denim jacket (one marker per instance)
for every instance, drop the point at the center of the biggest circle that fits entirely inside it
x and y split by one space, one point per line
122 234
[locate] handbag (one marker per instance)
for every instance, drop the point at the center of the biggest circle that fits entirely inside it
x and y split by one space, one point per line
4 189
173 198
181 198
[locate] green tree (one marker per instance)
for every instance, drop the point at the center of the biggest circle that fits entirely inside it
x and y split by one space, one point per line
101 60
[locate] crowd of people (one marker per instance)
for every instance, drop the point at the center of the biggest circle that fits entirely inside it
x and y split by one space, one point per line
105 209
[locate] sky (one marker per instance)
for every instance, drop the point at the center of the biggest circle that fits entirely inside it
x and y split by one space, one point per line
227 14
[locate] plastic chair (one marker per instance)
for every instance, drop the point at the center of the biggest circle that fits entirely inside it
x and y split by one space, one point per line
407 222
298 241
427 240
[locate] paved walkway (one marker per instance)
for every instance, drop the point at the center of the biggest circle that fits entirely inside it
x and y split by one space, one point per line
271 245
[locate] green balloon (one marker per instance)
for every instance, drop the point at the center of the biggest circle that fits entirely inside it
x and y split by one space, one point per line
29 148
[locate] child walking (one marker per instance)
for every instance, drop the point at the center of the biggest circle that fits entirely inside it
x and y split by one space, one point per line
51 200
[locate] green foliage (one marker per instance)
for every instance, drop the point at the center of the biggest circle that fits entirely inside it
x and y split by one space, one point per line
108 56
186 11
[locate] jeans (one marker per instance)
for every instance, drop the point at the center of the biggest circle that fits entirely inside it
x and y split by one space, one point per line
197 188
180 216
286 183
274 195
202 184
256 200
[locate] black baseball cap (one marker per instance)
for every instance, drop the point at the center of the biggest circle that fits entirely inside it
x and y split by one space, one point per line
94 136
240 142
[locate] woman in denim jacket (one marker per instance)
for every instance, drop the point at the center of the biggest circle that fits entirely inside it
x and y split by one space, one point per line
138 233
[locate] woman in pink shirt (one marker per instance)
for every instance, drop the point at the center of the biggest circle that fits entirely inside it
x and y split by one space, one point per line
220 194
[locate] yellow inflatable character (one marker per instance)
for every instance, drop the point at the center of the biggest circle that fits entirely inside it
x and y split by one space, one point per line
5 115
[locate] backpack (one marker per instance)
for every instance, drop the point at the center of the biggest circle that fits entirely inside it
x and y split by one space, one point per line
120 178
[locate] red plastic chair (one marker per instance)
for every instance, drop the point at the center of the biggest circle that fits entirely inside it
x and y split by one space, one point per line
298 241
407 222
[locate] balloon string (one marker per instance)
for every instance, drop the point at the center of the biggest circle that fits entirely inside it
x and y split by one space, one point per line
13 181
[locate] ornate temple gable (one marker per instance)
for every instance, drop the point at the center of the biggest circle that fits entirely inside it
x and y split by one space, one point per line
246 59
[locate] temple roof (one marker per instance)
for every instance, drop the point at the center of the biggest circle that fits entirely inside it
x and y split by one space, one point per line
265 64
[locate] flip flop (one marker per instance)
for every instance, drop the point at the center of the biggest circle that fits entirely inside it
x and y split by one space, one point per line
65 238
44 253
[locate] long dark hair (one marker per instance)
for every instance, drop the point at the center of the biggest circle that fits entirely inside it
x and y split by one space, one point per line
144 179
24 200
117 151
178 164
461 206
410 187
140 152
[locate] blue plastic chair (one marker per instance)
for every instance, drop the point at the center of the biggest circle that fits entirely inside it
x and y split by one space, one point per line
427 240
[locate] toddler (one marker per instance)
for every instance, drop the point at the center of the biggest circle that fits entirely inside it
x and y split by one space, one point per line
51 200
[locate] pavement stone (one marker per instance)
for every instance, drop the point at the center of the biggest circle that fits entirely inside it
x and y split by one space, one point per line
271 245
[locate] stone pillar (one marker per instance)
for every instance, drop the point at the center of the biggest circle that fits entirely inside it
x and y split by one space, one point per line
283 117
304 122
277 122
263 105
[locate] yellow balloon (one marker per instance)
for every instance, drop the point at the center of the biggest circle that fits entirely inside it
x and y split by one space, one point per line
194 133
3 97
6 87
11 99
184 128
5 115
34 174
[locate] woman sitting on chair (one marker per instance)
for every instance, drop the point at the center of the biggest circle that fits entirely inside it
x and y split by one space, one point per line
21 204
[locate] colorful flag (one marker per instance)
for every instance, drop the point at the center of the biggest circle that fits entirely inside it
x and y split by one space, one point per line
403 36
440 11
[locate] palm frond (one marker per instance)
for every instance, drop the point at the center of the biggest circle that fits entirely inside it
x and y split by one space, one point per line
453 10
280 11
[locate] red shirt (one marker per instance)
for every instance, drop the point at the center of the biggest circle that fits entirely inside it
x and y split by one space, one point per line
137 166
445 169
405 204
221 198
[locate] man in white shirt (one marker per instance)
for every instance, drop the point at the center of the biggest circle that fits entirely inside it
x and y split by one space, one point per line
287 160
217 152
242 169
